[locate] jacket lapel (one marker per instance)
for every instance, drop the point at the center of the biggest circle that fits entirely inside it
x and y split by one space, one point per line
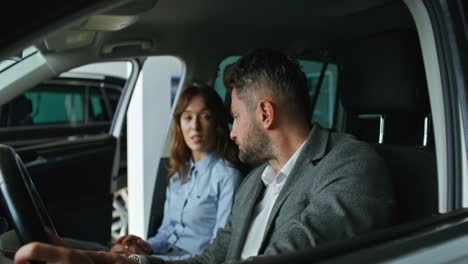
248 203
313 150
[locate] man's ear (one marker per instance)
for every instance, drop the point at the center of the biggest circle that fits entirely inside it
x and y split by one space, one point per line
266 113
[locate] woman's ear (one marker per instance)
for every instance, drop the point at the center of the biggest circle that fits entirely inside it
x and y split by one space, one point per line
266 113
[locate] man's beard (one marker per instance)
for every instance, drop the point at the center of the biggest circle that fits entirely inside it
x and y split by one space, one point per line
257 146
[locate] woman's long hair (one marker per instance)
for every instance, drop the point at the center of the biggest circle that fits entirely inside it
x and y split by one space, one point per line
225 147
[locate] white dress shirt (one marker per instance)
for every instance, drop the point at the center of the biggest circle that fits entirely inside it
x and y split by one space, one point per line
274 183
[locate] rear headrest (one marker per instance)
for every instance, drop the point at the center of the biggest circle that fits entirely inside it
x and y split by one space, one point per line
384 73
22 110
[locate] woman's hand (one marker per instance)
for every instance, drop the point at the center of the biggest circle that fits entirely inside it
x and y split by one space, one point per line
128 245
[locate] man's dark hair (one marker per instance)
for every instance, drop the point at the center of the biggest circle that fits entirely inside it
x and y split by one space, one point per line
266 72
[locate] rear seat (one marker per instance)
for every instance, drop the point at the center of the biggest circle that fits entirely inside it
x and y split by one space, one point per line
384 93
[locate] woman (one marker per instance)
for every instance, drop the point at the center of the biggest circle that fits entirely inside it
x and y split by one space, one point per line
202 179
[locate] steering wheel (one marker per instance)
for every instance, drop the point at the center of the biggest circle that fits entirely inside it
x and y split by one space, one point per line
24 207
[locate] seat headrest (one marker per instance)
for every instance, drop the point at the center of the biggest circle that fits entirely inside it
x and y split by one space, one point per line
22 110
384 73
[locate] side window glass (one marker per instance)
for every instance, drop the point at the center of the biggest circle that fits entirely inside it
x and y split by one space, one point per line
82 95
175 80
52 107
113 96
97 111
325 107
105 85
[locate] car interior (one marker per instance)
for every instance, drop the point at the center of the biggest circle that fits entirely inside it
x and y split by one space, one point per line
383 97
392 84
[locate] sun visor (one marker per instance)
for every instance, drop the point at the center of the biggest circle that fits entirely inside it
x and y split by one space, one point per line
105 23
132 8
82 33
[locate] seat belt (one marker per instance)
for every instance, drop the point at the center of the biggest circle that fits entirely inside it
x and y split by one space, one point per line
320 82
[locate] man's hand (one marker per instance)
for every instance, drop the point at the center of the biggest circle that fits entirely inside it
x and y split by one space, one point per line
60 255
128 245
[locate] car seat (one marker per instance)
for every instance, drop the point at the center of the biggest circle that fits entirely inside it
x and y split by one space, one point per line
384 92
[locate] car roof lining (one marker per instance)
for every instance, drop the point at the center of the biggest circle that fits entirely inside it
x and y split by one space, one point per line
268 13
194 34
196 39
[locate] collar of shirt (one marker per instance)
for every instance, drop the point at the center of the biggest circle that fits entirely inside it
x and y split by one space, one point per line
269 176
202 165
199 167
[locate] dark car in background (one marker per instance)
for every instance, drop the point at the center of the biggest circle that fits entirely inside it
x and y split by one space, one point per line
72 105
43 123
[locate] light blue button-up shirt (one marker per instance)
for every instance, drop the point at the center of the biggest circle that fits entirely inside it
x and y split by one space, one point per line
194 210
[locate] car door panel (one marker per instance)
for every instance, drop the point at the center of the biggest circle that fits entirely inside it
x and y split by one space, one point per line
26 136
73 179
396 243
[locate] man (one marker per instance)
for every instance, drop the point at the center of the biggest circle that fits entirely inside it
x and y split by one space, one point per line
314 186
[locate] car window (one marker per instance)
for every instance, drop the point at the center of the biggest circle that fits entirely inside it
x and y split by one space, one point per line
324 109
113 97
97 110
82 95
58 106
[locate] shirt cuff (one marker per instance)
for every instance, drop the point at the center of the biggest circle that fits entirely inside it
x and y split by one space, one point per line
136 258
145 259
158 244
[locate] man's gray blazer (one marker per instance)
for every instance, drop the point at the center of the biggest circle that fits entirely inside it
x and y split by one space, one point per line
338 188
